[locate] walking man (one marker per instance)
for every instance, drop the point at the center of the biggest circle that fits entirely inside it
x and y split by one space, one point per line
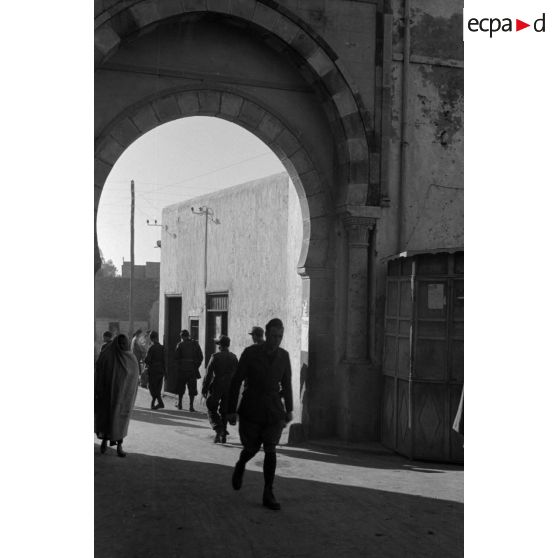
266 372
188 356
215 387
155 362
257 334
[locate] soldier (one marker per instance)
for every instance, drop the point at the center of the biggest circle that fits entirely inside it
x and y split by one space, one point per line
220 370
266 372
257 334
188 356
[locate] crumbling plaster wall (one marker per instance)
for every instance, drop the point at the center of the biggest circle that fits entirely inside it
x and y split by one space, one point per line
433 191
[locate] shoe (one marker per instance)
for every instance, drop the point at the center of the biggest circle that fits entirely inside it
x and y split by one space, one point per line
120 452
161 405
104 446
223 438
269 500
217 438
192 410
238 473
179 405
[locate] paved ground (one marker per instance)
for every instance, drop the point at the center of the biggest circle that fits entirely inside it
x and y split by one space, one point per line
171 497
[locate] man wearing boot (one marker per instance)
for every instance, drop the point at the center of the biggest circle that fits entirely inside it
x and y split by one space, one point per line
155 362
188 356
215 387
266 372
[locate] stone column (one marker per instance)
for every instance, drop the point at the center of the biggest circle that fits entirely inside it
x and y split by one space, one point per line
358 235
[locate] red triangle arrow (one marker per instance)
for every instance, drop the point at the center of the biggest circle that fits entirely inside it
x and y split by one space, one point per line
519 25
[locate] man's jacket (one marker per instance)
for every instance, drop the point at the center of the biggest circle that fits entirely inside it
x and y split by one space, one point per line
267 378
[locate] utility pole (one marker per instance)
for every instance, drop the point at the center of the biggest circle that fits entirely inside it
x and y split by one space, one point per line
209 214
132 261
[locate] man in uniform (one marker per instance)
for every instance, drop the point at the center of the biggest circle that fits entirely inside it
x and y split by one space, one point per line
266 372
188 356
215 387
257 334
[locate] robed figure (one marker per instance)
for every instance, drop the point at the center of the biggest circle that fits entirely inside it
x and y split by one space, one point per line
116 384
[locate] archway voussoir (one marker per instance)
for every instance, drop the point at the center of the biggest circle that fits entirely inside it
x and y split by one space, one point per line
285 29
210 102
344 71
357 194
358 149
101 171
145 13
311 183
264 16
167 108
230 105
251 114
304 44
188 102
110 150
223 6
345 103
145 119
318 205
287 142
243 8
301 161
320 62
194 5
106 39
125 132
170 8
270 127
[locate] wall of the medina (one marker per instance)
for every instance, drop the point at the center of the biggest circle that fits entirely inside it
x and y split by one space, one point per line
430 187
252 255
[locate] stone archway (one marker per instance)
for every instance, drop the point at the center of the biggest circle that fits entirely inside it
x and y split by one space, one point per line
116 21
330 165
315 199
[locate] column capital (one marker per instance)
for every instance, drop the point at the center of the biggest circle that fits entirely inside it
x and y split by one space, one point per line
357 229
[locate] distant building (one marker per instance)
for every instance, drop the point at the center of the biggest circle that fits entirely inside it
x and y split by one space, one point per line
252 258
112 300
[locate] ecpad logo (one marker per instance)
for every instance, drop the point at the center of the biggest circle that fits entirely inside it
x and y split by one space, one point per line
493 25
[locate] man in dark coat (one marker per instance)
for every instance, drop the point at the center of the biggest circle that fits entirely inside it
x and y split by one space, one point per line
188 356
266 372
155 362
222 365
257 335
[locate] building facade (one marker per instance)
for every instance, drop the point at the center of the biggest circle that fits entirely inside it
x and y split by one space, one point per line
363 103
252 257
112 301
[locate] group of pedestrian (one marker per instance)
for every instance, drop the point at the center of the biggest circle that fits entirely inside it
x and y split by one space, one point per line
265 409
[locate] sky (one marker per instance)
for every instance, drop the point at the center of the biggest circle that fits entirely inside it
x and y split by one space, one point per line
174 162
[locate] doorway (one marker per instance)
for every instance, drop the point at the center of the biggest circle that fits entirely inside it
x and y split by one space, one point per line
217 305
173 325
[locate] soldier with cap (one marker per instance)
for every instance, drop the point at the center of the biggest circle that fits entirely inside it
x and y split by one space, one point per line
222 365
188 356
266 372
257 334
